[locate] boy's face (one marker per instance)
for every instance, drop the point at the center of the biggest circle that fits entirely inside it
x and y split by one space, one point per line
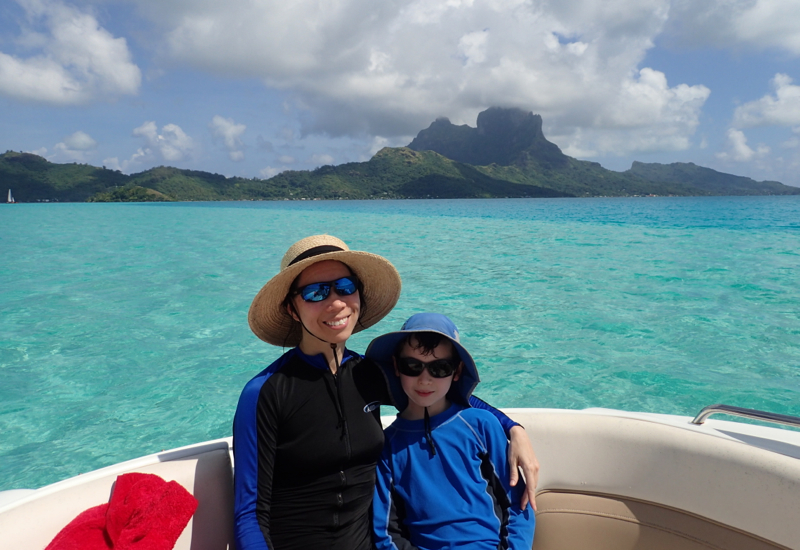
425 390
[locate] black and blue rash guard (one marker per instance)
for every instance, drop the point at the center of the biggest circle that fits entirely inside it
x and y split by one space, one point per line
305 445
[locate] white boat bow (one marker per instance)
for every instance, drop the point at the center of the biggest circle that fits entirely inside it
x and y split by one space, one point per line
609 480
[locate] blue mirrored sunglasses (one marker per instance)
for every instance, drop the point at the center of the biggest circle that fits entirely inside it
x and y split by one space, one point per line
316 292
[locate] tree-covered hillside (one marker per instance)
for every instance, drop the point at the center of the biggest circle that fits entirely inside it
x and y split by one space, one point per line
507 155
706 179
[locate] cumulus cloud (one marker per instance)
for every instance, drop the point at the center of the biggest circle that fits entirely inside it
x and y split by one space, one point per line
321 159
75 147
625 125
779 109
226 131
170 145
739 151
739 24
269 171
359 68
68 58
112 163
79 141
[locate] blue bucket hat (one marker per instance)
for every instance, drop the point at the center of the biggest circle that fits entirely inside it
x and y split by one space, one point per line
381 350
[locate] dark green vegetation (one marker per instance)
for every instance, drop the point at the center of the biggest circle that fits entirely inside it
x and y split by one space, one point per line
507 155
711 181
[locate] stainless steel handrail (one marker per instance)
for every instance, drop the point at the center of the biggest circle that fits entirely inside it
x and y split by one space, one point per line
747 413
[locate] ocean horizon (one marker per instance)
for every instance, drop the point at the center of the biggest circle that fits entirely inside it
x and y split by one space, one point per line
124 327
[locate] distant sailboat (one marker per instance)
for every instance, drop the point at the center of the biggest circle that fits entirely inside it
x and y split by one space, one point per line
10 197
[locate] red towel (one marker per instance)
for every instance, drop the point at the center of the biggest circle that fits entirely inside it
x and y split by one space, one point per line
144 513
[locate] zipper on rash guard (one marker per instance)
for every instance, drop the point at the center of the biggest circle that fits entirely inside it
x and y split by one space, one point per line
345 430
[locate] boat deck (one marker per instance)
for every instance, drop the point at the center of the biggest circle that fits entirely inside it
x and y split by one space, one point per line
610 480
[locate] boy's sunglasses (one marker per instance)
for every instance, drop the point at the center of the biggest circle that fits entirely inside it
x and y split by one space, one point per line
316 292
440 368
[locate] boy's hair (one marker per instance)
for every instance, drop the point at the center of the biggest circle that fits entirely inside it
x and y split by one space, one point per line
426 343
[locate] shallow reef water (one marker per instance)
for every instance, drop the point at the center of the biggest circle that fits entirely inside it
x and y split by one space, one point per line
124 326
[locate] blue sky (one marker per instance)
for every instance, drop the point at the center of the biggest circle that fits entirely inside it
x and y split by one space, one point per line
254 87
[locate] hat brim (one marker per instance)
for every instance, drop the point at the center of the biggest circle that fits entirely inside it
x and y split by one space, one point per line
381 350
381 282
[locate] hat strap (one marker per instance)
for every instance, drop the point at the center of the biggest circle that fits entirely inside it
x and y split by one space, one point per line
429 434
316 251
331 344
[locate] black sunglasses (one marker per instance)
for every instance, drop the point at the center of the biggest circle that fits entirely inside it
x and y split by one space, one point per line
440 368
316 292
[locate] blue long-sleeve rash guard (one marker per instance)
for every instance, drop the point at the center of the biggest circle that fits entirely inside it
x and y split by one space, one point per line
458 497
306 444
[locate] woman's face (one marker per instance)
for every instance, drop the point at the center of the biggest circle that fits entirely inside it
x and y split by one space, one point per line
332 319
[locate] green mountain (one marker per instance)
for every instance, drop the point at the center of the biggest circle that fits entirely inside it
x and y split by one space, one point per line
35 179
506 155
403 173
503 136
706 179
392 173
509 144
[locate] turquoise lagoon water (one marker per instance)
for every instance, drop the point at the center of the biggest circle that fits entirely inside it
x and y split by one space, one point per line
124 326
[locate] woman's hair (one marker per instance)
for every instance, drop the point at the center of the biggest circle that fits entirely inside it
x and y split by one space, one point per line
289 304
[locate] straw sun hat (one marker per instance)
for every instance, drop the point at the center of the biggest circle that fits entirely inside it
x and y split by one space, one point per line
269 319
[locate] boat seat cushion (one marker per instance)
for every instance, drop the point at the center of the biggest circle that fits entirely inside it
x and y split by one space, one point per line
578 521
33 523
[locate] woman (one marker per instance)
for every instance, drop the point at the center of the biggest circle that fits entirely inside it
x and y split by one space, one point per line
307 432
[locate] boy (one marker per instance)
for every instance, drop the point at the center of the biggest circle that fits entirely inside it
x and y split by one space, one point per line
442 480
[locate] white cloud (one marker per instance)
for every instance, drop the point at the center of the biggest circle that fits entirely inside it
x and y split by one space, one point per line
794 141
80 141
625 126
780 109
75 147
321 160
379 142
286 159
740 24
171 144
269 171
112 163
739 151
362 68
473 47
229 133
73 59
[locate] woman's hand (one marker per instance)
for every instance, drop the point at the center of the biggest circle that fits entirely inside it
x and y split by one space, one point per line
521 455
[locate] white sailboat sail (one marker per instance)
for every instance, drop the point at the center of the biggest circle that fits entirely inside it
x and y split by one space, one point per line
10 197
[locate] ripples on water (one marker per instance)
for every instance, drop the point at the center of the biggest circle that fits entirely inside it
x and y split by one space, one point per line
124 326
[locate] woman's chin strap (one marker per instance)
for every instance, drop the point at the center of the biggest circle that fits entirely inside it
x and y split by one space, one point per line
331 344
335 355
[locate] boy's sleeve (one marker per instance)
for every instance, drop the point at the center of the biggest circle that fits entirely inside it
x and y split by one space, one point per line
504 420
521 523
388 529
